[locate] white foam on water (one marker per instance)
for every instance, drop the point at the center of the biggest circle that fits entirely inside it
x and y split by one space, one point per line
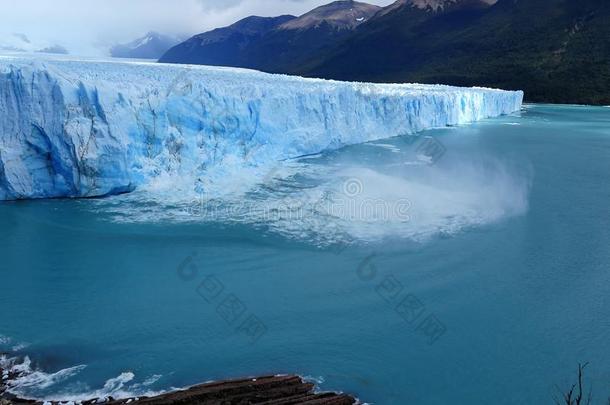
119 387
27 380
27 377
441 201
20 346
343 202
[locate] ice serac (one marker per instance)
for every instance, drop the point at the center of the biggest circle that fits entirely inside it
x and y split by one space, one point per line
87 129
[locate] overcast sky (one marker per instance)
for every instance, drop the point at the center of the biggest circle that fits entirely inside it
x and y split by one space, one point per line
89 27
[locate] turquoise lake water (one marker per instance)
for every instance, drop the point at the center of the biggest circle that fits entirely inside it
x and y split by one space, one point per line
471 266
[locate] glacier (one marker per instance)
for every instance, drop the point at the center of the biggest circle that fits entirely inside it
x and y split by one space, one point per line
72 129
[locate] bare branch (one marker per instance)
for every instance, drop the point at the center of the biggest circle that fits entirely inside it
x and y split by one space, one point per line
573 397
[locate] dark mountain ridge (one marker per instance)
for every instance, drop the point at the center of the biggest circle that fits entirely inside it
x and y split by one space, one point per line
274 44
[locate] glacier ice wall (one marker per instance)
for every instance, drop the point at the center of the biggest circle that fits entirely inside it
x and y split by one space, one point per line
87 129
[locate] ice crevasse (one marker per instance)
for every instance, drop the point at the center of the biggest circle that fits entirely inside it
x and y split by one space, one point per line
86 129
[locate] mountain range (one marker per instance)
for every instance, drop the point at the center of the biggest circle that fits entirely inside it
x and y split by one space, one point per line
555 50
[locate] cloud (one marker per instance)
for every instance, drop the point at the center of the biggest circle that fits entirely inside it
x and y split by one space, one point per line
90 27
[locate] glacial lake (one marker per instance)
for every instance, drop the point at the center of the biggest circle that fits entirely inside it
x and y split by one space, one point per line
471 265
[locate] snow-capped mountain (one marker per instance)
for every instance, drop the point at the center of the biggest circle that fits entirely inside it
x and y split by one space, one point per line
151 46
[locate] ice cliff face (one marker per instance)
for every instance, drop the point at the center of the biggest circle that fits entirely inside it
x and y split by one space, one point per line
86 129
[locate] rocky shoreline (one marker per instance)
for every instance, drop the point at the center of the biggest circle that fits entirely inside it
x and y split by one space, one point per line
267 390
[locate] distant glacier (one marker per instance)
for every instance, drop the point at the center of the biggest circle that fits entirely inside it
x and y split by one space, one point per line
90 129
